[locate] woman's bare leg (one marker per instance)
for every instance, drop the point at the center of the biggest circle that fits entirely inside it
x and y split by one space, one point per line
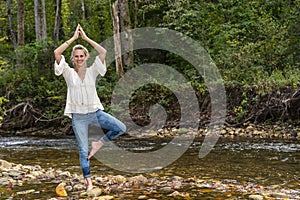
89 184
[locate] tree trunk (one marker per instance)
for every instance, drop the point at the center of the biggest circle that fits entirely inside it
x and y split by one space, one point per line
101 22
21 22
43 18
83 9
58 21
37 20
117 40
11 28
126 37
136 10
40 20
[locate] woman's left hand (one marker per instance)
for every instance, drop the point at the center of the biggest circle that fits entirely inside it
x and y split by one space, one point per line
82 33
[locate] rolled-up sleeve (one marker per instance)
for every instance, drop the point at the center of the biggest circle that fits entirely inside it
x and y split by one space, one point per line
99 66
61 67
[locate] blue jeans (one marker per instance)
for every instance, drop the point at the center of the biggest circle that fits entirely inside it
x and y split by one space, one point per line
81 123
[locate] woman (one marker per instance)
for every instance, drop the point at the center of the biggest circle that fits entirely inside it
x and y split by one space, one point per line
83 104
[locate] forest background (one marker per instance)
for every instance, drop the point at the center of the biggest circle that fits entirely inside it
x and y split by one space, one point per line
254 43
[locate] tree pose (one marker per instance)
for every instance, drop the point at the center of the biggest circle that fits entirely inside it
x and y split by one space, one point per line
83 105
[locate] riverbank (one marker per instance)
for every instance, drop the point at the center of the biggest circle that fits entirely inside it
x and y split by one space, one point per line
269 115
247 131
13 178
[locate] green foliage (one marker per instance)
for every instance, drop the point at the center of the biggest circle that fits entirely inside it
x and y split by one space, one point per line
35 56
150 13
245 38
96 19
31 79
40 91
2 108
253 43
241 110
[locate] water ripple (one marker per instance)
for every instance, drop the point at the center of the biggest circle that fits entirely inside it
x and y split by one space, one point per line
69 142
271 146
25 142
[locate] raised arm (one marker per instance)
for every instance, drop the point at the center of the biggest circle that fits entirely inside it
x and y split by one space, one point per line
98 47
59 50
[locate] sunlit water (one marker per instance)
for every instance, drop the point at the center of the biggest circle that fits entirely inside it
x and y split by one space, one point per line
262 162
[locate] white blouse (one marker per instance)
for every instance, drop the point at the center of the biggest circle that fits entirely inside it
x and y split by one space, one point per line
82 96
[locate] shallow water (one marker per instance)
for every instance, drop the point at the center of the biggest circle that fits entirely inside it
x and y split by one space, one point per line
238 163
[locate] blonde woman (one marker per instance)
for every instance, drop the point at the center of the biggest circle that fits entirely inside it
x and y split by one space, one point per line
83 104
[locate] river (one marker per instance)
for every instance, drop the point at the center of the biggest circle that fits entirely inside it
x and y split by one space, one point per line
236 163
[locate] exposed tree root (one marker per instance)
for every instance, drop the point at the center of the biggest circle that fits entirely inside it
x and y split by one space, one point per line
24 118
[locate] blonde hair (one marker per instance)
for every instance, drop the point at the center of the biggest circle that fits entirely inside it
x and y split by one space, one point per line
80 47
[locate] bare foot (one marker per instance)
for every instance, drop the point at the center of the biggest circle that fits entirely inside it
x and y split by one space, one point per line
95 147
89 184
89 188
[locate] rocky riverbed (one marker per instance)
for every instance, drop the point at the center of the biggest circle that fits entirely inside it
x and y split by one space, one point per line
20 181
71 186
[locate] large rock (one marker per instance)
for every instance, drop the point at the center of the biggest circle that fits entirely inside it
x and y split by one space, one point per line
138 180
95 192
5 165
5 180
60 190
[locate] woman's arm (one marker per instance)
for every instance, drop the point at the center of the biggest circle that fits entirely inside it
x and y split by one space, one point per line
59 50
98 47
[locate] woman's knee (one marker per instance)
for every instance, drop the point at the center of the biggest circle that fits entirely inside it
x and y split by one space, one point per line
123 128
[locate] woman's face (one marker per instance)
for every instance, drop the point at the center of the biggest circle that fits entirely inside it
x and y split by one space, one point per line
79 57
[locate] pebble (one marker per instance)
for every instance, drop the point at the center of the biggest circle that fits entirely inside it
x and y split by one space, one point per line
79 187
69 188
256 197
166 189
106 197
26 192
143 197
279 195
